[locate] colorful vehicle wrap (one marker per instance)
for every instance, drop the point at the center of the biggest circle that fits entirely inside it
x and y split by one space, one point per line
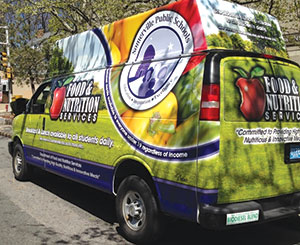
132 91
261 116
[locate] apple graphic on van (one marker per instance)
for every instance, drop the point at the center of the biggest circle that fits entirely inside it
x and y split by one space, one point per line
57 103
58 99
253 97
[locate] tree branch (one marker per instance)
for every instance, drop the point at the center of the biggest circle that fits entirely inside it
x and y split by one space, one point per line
245 3
81 14
297 6
271 6
66 26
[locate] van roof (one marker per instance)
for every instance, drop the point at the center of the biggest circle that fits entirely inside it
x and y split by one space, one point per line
180 28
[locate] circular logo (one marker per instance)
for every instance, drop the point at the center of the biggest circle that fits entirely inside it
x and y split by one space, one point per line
158 62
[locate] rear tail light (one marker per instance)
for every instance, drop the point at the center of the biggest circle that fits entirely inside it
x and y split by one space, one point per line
210 102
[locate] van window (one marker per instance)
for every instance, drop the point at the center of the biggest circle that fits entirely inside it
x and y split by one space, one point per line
39 100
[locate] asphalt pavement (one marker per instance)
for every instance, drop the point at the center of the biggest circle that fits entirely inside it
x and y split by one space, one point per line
50 210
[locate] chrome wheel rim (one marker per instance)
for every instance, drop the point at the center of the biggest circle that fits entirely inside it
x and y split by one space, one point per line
134 210
18 163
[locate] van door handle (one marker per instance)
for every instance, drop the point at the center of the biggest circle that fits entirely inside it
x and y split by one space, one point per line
44 123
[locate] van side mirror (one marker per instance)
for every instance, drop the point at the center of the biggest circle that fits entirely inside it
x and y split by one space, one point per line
19 106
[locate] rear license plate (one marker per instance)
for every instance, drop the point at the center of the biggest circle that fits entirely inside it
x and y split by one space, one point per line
295 153
244 217
292 153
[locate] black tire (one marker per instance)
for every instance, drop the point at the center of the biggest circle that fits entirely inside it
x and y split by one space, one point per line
21 169
137 211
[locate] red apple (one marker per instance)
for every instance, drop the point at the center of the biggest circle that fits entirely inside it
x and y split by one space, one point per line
252 93
58 102
253 98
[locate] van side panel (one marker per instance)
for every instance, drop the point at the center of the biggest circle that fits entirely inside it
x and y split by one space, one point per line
168 140
91 173
165 136
259 117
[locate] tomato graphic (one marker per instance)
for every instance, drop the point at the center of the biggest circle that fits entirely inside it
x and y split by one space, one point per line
252 93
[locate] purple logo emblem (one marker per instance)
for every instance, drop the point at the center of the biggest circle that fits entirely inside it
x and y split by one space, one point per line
158 62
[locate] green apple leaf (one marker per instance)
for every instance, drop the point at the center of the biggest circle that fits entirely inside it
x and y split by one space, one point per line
240 71
257 72
68 80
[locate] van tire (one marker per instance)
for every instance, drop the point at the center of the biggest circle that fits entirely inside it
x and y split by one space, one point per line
21 169
137 211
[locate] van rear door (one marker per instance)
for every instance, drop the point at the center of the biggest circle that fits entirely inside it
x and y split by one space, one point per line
259 115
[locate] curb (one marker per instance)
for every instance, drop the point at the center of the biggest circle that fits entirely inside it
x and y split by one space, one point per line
6 120
7 135
6 130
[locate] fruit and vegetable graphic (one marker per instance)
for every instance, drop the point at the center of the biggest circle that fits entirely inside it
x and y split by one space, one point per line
155 125
58 99
120 35
161 125
253 97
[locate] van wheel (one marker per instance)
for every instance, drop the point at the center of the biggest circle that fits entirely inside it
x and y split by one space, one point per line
137 211
20 167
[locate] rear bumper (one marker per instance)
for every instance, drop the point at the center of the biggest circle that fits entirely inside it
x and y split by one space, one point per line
215 216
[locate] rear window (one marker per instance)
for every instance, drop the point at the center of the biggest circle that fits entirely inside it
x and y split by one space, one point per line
257 89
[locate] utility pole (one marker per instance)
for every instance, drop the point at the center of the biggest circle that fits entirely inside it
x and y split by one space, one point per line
8 70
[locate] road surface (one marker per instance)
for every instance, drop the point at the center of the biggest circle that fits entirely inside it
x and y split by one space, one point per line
52 210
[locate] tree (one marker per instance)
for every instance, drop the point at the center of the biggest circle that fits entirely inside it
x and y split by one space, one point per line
272 36
228 42
28 19
237 41
29 66
59 64
28 57
73 16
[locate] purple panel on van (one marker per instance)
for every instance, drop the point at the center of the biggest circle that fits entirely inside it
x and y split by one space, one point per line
182 200
94 174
